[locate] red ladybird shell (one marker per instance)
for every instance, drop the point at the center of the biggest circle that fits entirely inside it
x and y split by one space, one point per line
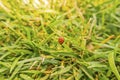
61 40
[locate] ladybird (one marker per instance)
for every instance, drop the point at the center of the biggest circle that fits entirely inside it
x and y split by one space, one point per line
61 40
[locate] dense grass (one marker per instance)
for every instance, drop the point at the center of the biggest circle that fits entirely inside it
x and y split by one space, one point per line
29 47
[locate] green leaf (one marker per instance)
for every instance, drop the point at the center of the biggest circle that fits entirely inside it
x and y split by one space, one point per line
2 69
14 64
25 77
31 71
3 56
62 71
86 72
95 64
16 71
113 66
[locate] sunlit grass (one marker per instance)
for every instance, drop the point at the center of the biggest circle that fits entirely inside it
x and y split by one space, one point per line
29 46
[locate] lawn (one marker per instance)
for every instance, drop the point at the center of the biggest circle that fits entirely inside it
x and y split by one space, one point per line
59 40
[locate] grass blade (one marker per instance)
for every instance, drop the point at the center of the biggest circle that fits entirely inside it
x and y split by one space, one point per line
113 66
14 64
25 77
16 71
62 71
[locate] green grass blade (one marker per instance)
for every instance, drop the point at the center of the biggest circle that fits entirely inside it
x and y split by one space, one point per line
14 64
16 71
113 66
25 77
62 71
85 71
